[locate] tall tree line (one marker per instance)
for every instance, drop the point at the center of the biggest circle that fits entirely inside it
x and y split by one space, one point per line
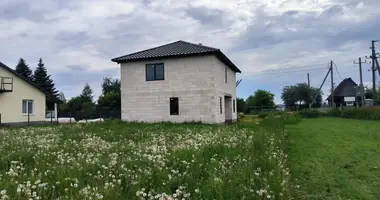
109 100
40 76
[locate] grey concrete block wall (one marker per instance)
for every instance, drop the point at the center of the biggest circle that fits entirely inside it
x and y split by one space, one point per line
222 88
194 80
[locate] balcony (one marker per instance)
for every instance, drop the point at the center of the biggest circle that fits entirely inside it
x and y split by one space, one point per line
6 84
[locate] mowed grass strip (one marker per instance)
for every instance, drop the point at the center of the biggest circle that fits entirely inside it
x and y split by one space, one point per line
117 160
333 158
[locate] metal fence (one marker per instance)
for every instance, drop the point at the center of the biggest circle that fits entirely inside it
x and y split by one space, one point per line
80 115
66 117
258 109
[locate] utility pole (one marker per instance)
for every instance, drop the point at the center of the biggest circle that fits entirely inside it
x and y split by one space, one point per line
332 85
362 96
319 90
374 62
378 67
308 79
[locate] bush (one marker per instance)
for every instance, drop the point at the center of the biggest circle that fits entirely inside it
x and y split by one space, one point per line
284 118
263 114
356 113
292 119
241 115
309 113
334 113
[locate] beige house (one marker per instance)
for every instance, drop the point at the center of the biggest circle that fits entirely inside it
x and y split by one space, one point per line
178 82
20 99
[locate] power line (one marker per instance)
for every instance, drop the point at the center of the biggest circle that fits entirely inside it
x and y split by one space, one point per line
263 73
302 66
338 72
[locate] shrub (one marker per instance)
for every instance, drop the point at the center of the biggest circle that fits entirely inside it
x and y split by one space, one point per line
263 114
284 118
309 113
356 113
292 119
241 115
334 113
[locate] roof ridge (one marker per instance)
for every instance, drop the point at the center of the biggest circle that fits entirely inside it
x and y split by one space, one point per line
147 50
198 45
178 41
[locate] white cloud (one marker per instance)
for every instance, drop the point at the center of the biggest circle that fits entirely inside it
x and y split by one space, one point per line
256 34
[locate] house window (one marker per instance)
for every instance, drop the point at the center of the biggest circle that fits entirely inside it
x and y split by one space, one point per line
220 105
27 106
154 72
233 105
225 75
174 108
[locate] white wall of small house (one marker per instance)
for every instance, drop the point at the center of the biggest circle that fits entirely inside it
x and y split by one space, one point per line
11 102
191 79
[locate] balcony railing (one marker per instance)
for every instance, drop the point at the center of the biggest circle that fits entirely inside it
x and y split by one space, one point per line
6 84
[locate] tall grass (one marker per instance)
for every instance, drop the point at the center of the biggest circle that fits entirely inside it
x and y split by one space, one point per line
116 160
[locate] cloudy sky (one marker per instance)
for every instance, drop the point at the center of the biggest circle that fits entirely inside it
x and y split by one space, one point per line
274 42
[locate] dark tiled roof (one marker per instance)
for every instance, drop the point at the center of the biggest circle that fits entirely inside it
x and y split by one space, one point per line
345 88
49 96
176 49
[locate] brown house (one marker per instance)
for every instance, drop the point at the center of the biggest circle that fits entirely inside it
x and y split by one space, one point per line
345 94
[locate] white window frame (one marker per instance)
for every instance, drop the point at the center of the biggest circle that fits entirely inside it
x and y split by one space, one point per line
27 106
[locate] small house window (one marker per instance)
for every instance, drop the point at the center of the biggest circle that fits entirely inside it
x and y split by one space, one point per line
155 72
220 105
233 105
225 75
174 108
27 106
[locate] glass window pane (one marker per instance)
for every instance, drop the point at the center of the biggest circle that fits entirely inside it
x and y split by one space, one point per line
220 104
159 72
174 108
24 106
233 104
30 106
149 72
225 75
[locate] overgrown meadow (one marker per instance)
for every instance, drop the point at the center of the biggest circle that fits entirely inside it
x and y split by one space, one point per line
117 160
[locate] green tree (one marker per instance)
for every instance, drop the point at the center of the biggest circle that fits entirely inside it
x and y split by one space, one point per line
110 101
74 104
110 85
23 69
302 95
63 106
241 106
111 95
83 102
369 94
61 97
289 96
42 79
87 95
261 98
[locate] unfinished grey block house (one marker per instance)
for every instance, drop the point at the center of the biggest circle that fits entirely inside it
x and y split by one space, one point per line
178 82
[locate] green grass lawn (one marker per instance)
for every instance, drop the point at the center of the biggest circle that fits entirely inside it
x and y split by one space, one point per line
117 160
333 158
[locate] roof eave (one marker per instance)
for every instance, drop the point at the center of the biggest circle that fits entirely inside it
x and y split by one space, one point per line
119 60
217 53
222 57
